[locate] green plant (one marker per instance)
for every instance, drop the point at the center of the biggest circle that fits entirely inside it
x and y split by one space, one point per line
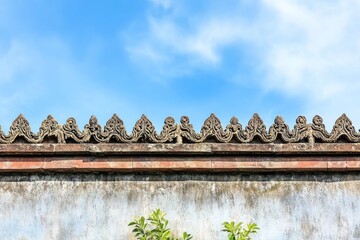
238 232
155 227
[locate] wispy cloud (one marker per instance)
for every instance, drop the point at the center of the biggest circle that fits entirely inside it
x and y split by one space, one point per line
305 49
258 54
314 52
170 45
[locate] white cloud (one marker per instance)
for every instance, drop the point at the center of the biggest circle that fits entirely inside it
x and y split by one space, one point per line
198 44
202 43
307 49
313 52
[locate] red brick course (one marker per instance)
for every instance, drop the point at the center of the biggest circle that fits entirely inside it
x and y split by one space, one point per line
180 157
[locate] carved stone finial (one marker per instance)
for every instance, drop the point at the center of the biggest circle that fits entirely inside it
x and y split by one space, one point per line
318 121
343 127
93 125
301 121
115 129
21 127
71 130
279 128
255 128
187 130
212 130
143 130
301 130
234 126
50 127
168 134
319 131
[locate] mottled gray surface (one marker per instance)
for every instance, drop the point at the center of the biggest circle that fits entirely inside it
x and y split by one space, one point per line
99 206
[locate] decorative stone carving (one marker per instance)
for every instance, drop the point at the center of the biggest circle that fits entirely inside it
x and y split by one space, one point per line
212 130
187 131
234 129
301 130
21 128
169 132
71 130
318 129
280 128
50 127
115 129
2 136
255 128
93 129
343 127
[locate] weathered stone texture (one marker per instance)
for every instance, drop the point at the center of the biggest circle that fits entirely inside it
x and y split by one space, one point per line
211 131
206 157
201 179
99 206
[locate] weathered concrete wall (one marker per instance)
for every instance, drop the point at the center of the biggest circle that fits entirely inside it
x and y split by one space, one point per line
99 206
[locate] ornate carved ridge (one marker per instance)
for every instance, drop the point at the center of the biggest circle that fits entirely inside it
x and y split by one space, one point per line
212 131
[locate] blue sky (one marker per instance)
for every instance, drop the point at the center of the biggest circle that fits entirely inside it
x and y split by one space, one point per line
173 58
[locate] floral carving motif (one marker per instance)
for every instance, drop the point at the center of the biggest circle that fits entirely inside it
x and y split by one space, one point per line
115 129
255 128
21 128
211 128
343 127
169 132
50 127
71 130
212 131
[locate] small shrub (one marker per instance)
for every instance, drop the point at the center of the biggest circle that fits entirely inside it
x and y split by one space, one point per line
238 232
155 227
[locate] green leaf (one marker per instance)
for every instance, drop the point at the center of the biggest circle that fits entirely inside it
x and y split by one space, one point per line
236 231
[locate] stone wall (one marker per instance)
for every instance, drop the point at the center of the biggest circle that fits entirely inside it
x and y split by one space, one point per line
286 206
67 183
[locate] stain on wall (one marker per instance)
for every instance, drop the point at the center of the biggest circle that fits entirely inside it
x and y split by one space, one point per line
99 206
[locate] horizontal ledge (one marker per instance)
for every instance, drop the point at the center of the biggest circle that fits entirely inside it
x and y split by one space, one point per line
205 157
190 164
26 149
